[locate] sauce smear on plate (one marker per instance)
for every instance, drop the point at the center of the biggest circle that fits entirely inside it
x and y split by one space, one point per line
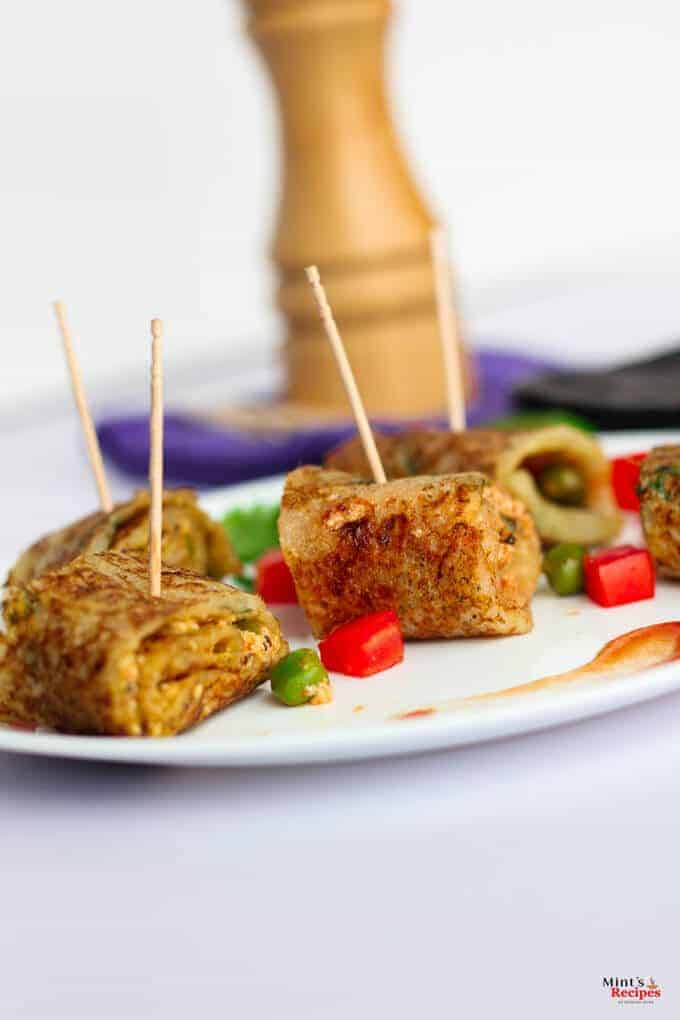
630 653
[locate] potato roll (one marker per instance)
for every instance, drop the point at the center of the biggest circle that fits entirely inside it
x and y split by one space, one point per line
515 460
191 539
660 507
454 555
89 650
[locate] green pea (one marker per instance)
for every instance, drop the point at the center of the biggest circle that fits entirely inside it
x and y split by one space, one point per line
300 678
562 483
563 566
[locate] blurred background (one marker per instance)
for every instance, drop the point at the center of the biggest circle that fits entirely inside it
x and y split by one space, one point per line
139 176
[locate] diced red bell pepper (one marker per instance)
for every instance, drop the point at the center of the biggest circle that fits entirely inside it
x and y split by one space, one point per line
617 576
364 646
625 480
273 579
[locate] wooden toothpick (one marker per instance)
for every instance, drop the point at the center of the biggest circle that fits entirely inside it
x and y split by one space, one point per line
91 441
346 375
156 458
449 330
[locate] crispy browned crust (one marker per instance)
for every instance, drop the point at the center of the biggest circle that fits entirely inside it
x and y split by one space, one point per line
510 459
191 539
89 650
660 507
454 555
424 452
8 714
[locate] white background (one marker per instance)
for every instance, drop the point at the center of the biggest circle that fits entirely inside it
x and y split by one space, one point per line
137 178
138 173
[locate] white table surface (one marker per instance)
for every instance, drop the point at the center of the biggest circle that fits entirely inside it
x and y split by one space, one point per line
500 881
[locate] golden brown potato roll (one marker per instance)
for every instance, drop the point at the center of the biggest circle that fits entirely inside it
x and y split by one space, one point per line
191 539
89 650
454 555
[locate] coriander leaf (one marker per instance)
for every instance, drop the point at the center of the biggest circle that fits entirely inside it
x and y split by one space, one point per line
252 530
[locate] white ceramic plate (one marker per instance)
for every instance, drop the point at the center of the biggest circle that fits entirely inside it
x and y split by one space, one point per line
364 719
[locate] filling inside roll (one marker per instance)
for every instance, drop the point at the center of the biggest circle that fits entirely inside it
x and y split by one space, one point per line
91 652
181 668
529 460
191 539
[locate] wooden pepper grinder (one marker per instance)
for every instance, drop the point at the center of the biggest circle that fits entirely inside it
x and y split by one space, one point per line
349 205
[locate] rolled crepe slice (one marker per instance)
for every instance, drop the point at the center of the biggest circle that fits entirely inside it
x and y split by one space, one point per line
454 555
191 539
512 459
660 507
92 652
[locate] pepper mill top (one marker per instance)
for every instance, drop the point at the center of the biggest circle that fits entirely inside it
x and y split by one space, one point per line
348 204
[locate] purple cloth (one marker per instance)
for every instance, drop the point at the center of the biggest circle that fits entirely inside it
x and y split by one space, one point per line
203 455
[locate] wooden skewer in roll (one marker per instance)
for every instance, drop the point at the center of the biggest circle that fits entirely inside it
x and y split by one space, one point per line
156 458
449 330
346 375
91 441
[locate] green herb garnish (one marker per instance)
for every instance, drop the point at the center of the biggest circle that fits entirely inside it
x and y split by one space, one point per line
252 530
657 483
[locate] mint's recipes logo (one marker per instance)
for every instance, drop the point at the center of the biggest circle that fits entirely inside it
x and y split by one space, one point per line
630 990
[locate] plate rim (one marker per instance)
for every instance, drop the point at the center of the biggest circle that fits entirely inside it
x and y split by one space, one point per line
583 701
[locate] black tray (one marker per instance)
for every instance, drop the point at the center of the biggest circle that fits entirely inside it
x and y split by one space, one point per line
640 395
